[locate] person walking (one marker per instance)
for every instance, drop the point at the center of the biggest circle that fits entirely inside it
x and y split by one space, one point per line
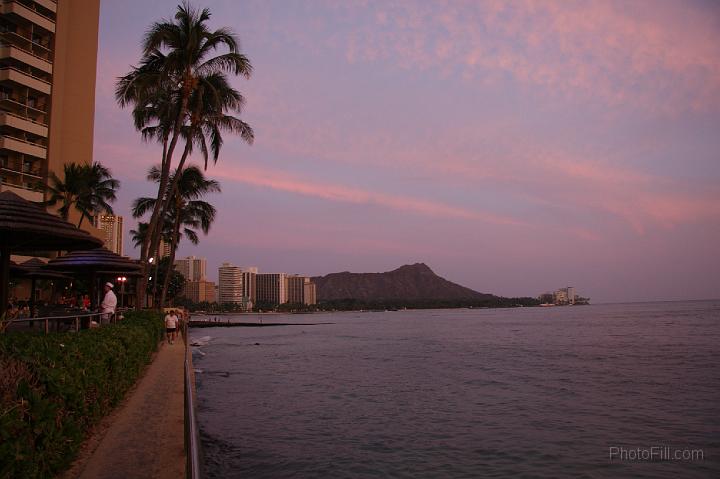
171 323
109 303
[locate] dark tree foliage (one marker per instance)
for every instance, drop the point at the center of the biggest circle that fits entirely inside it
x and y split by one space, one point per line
177 280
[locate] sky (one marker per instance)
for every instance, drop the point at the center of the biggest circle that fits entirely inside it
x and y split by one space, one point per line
514 147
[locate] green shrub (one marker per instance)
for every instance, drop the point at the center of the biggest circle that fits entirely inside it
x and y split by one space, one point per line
54 388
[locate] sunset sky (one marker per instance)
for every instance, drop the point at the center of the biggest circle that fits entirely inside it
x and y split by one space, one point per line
514 147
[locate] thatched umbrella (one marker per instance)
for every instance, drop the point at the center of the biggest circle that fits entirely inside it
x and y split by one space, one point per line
25 227
94 263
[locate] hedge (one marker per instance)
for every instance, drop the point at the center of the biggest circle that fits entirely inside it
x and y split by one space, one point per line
53 388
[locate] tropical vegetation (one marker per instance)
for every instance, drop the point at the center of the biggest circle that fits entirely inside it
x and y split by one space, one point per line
186 211
89 189
54 388
180 90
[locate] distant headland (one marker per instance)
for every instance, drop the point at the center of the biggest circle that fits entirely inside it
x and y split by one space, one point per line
412 286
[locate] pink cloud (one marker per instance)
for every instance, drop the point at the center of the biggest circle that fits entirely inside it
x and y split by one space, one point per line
662 56
281 181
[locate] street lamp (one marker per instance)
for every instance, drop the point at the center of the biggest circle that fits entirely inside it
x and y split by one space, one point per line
122 280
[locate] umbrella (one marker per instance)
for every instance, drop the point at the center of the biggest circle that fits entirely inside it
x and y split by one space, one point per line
95 262
26 227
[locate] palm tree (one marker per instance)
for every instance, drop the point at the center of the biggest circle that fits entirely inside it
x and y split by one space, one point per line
88 188
67 191
186 212
99 191
176 66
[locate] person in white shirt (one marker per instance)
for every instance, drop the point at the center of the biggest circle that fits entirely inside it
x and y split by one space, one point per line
109 303
171 323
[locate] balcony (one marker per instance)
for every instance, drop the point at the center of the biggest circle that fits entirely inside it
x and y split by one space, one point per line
49 4
23 12
32 172
22 109
25 79
26 57
21 123
30 46
23 146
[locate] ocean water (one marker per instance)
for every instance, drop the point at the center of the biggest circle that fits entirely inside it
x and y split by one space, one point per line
582 391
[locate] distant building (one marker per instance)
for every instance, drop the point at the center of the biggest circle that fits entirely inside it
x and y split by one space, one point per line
199 291
295 288
571 294
300 290
112 232
272 288
560 296
192 268
163 249
249 286
309 293
563 296
230 284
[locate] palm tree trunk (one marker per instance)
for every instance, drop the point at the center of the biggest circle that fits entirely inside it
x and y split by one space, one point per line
160 207
176 178
173 248
165 173
148 248
145 249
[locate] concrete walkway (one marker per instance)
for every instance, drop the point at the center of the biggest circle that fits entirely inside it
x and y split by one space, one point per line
145 439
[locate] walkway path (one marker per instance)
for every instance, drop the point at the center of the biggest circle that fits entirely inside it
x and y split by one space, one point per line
146 437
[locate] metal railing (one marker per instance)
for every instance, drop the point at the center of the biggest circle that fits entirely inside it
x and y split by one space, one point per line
192 437
46 320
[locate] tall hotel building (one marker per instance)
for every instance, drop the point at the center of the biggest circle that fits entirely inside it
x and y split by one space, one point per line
300 290
309 293
196 288
192 268
272 288
230 284
199 291
48 59
111 227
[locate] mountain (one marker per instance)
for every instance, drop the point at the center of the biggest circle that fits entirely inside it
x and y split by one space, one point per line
416 282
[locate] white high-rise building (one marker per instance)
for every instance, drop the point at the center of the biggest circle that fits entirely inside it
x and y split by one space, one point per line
230 284
192 268
571 294
112 232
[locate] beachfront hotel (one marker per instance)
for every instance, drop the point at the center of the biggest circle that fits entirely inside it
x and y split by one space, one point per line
230 284
237 285
300 290
272 288
48 59
199 291
249 285
111 227
192 268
